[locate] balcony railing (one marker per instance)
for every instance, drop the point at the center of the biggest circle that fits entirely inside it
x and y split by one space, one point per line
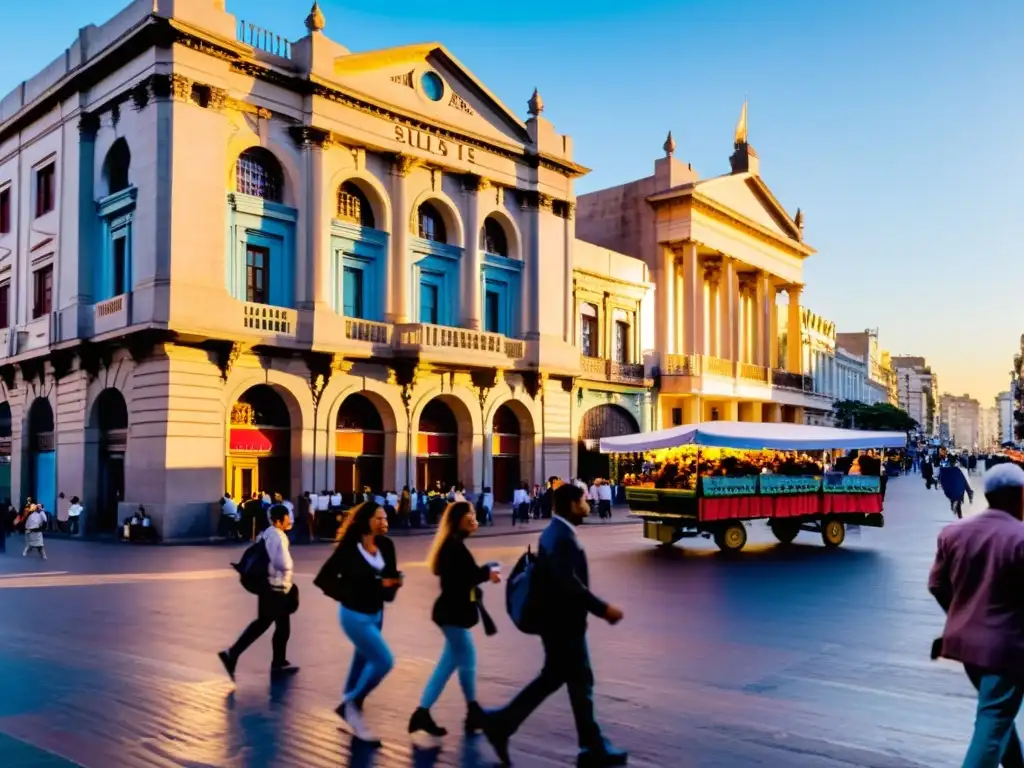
264 40
681 365
610 370
716 366
267 319
790 380
751 372
367 330
439 337
112 314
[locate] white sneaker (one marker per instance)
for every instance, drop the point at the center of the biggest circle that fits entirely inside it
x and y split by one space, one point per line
25 553
352 715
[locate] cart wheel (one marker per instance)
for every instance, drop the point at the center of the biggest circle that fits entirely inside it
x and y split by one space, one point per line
785 531
732 538
833 533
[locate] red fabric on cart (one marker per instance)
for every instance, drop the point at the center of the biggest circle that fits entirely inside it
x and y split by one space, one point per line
735 507
800 505
865 503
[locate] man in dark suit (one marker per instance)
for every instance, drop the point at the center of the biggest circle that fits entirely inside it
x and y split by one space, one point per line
563 586
976 578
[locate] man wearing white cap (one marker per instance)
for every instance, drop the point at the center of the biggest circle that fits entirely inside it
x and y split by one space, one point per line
977 578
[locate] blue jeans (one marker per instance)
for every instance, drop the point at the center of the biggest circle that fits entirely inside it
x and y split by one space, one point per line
995 738
459 653
372 659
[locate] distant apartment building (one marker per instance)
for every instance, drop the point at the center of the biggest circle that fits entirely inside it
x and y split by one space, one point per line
988 428
879 384
918 391
961 420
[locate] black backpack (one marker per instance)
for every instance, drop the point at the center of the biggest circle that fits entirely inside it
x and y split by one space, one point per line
521 595
253 567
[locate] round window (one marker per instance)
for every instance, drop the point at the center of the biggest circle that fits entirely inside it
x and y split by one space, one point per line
433 86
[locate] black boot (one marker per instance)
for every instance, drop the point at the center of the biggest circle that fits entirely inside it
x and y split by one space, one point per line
475 718
421 720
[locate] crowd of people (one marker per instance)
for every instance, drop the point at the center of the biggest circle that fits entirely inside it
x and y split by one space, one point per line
362 575
318 516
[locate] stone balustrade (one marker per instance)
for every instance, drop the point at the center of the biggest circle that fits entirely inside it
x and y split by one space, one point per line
264 319
428 337
601 369
368 330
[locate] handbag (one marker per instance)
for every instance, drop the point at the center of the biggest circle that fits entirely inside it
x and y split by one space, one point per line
328 580
293 599
490 628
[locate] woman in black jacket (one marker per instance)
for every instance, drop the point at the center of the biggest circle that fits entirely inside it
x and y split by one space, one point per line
456 611
362 574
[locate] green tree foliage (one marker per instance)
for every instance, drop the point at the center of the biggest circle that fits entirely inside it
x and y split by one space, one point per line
883 417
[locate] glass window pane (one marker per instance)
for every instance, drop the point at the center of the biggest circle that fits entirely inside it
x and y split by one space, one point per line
120 252
257 288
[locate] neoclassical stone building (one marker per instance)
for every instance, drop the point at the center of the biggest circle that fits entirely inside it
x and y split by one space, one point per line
230 261
721 251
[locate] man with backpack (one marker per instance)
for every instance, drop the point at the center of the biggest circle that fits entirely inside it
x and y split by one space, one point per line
266 569
556 608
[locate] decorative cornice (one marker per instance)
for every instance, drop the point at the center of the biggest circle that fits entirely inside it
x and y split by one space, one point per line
88 124
403 165
307 137
218 98
473 183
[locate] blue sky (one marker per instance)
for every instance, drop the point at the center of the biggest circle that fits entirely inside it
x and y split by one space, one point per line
896 126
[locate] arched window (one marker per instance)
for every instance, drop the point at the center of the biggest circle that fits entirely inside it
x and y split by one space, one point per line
353 205
258 173
431 224
492 237
115 167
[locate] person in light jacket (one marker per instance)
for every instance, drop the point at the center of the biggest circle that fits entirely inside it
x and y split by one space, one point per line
276 604
976 579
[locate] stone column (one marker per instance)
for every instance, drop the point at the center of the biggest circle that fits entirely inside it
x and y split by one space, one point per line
765 291
681 307
471 266
729 311
773 325
664 303
693 289
793 332
713 276
320 216
398 270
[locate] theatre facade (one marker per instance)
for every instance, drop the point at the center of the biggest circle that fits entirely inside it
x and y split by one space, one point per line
233 262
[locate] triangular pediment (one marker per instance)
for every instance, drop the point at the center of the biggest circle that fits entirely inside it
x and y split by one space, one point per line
427 81
750 197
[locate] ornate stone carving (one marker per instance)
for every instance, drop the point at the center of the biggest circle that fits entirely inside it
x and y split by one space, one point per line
242 415
226 354
403 165
88 125
535 105
306 136
460 104
473 183
61 360
404 373
140 96
93 357
669 146
533 383
403 79
33 369
218 98
316 22
181 87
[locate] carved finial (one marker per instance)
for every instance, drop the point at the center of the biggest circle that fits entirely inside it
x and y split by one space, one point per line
799 219
740 136
316 22
669 145
535 104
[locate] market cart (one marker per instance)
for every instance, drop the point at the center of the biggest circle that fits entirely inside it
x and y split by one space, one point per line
711 478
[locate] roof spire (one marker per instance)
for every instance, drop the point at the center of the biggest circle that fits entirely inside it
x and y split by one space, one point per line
316 22
799 219
741 126
669 146
535 104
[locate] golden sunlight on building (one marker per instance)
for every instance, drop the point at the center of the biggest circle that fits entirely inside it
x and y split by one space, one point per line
721 251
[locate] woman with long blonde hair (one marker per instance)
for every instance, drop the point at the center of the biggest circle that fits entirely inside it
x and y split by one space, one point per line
456 611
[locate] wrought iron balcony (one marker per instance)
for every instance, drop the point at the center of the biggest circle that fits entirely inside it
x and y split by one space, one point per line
600 369
790 380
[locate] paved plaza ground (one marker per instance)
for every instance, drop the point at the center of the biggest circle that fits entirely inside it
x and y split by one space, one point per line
794 657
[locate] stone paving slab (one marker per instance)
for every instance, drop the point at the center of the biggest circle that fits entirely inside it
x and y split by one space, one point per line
784 657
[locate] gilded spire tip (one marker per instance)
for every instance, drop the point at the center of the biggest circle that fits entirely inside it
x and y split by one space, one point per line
315 22
740 136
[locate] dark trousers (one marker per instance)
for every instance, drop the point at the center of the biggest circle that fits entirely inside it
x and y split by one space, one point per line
604 509
566 662
995 739
274 608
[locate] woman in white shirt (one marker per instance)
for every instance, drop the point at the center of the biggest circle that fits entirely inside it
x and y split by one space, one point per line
74 513
34 526
276 603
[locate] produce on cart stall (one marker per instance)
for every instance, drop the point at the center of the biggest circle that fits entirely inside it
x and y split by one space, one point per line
708 479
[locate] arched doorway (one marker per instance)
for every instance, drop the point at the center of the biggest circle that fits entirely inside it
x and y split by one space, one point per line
359 446
601 421
506 446
259 444
42 455
110 417
5 451
437 447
